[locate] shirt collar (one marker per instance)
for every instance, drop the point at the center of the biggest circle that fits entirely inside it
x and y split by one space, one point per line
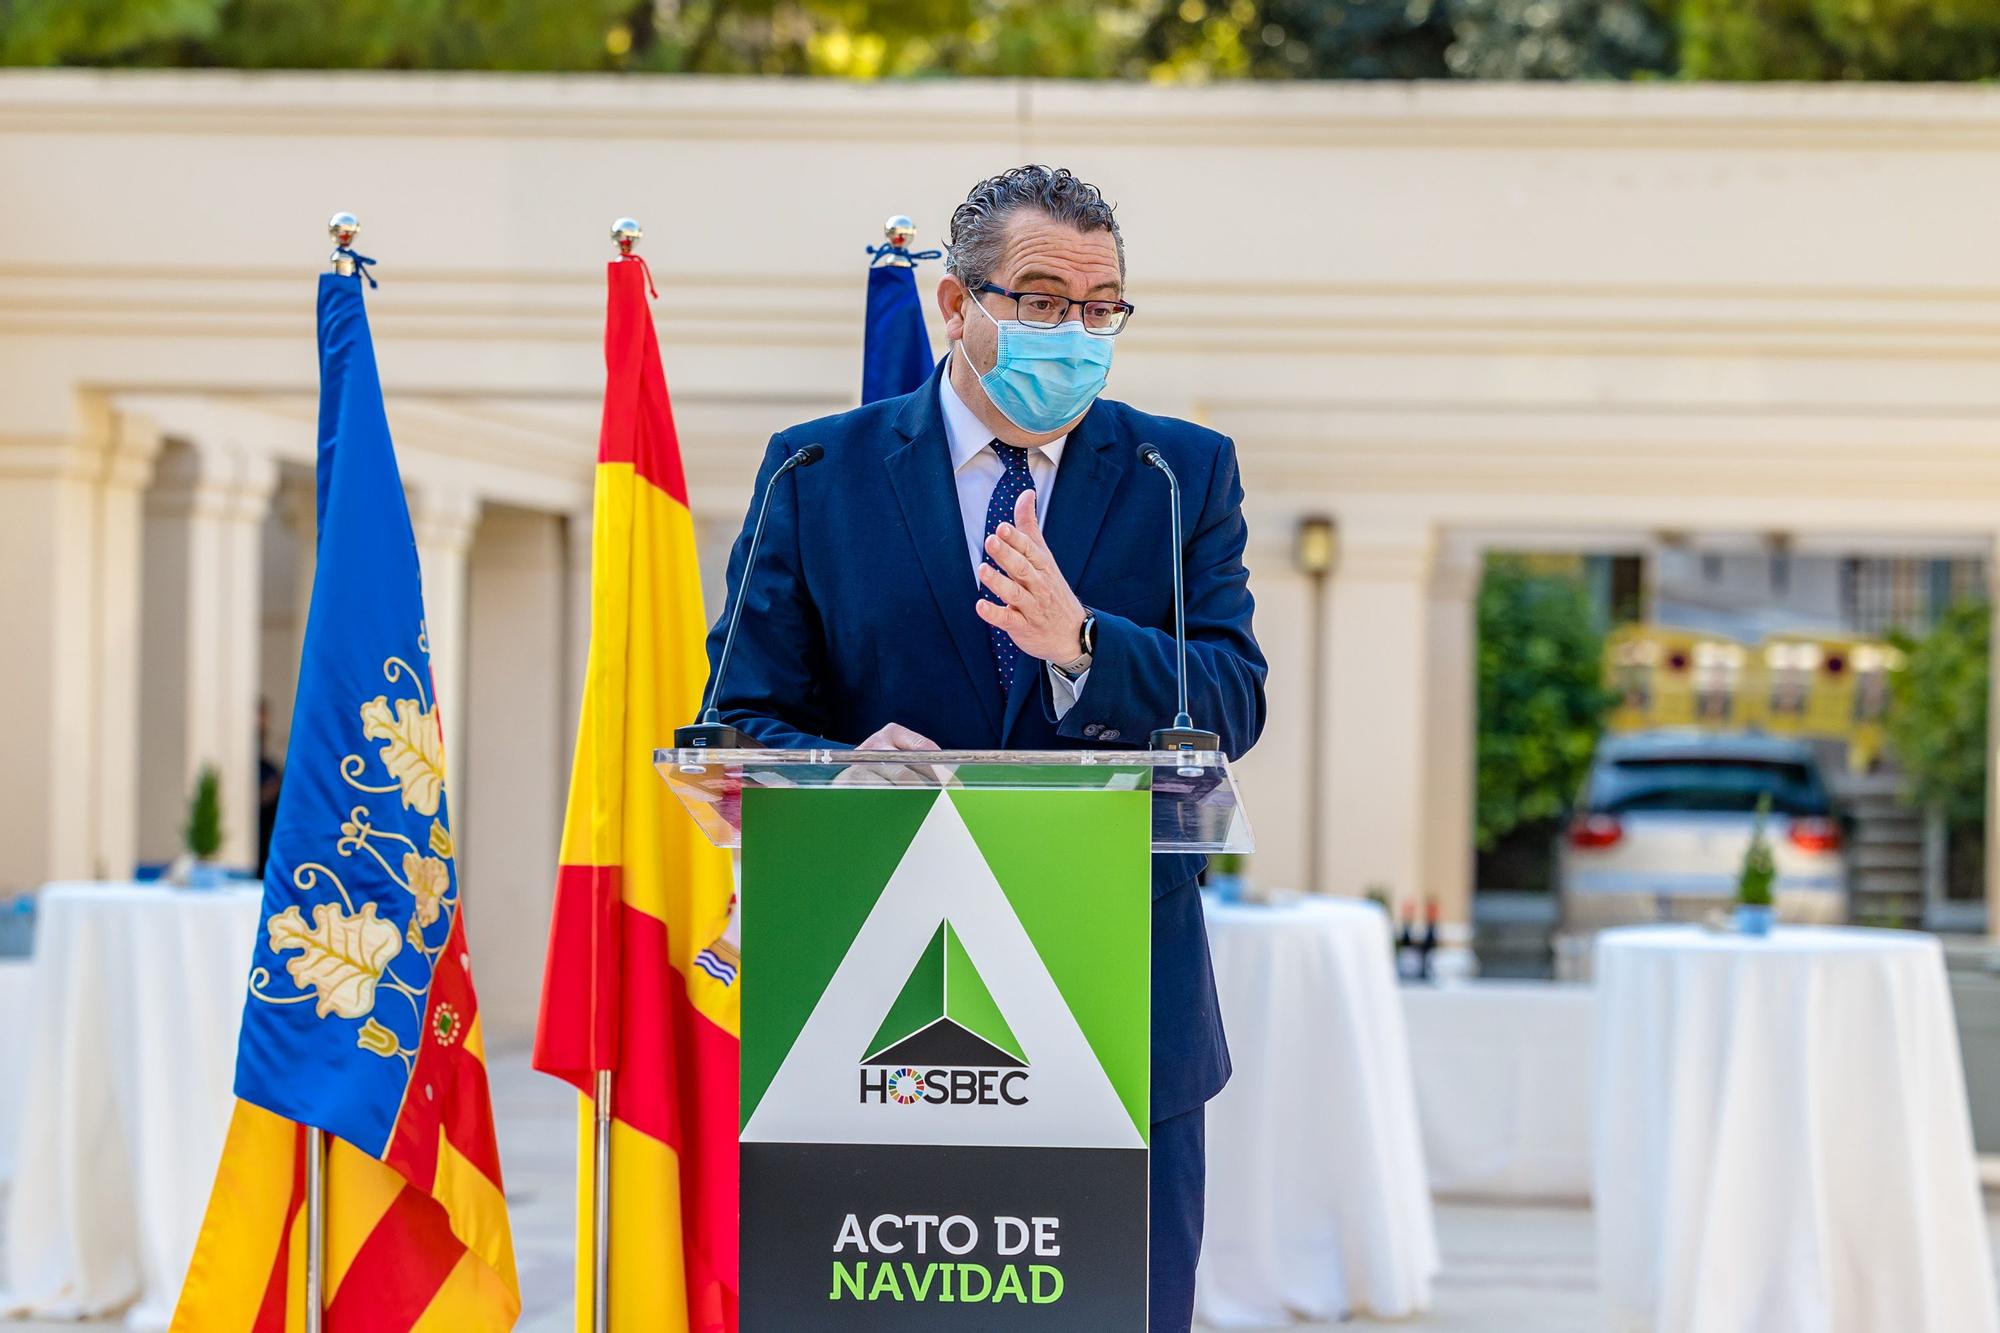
967 435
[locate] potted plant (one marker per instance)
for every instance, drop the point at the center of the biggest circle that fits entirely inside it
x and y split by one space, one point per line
1755 909
1225 876
203 833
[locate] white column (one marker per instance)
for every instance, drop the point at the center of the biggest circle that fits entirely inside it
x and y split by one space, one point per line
67 561
1378 625
518 771
444 518
1276 776
132 444
1451 738
201 623
296 508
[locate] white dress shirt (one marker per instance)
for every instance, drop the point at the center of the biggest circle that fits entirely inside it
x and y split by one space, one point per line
976 470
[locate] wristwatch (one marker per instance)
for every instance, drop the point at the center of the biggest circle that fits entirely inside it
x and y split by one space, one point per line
1087 638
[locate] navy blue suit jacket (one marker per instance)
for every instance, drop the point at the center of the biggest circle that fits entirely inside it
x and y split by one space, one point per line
860 613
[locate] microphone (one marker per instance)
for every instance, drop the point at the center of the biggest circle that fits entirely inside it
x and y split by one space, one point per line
711 732
1183 734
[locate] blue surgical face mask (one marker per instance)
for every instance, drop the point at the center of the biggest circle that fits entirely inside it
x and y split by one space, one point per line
1043 379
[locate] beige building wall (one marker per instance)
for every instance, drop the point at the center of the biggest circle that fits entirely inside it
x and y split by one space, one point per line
1450 317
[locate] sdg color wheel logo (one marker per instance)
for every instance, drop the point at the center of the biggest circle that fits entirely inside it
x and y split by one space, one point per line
944 1040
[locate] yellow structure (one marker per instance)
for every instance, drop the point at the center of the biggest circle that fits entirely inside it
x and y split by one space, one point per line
1817 686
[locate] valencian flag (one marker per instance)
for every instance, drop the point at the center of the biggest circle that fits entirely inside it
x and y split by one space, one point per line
361 1017
895 349
642 963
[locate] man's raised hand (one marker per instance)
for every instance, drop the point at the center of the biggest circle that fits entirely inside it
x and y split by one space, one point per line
1036 608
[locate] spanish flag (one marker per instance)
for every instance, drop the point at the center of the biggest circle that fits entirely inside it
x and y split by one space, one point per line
360 1017
642 963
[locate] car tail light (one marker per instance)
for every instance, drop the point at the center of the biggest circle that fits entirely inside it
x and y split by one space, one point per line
1815 835
1595 831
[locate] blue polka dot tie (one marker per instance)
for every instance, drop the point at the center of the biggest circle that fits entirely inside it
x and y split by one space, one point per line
1000 509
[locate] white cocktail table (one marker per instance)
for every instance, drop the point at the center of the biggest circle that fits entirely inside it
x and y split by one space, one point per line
135 999
1318 1203
1782 1139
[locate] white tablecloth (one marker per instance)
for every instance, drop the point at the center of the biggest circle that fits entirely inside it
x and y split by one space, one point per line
1783 1144
1317 1200
137 993
16 1005
1503 1087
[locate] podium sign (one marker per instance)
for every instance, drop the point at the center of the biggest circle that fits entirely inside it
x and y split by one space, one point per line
946 1034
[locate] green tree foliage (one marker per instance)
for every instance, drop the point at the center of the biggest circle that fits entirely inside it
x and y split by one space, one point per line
87 32
860 38
312 34
1181 40
1937 713
1542 697
1162 40
1358 39
1557 39
1176 40
1922 40
1473 39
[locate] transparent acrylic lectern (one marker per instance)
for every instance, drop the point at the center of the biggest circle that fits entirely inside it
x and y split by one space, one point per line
1195 805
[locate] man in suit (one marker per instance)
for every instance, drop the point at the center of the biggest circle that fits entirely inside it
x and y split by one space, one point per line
984 564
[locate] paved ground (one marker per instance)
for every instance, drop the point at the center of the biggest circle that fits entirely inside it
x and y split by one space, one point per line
1506 1269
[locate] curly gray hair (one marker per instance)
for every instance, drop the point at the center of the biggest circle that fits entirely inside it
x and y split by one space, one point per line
979 225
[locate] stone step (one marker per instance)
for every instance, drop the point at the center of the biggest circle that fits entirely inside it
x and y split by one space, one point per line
1889 811
1888 876
1873 831
1873 856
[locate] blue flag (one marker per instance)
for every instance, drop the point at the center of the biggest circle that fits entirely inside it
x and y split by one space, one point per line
360 991
896 351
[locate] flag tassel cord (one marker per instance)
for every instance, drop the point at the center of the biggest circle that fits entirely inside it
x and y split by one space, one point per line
315 1226
600 1220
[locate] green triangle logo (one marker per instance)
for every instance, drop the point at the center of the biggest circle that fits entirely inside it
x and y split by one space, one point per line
945 1015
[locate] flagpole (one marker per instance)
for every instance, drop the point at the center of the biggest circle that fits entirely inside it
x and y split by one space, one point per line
626 233
315 1226
343 227
600 1221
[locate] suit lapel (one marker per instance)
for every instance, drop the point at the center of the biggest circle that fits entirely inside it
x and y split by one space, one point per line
1089 474
920 473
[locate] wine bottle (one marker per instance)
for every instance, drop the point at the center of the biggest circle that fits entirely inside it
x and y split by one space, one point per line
1428 941
1408 965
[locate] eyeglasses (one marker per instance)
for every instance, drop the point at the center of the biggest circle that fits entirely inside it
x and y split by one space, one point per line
1046 310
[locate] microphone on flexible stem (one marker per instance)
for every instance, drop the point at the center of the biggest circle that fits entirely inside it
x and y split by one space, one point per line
1183 734
711 732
